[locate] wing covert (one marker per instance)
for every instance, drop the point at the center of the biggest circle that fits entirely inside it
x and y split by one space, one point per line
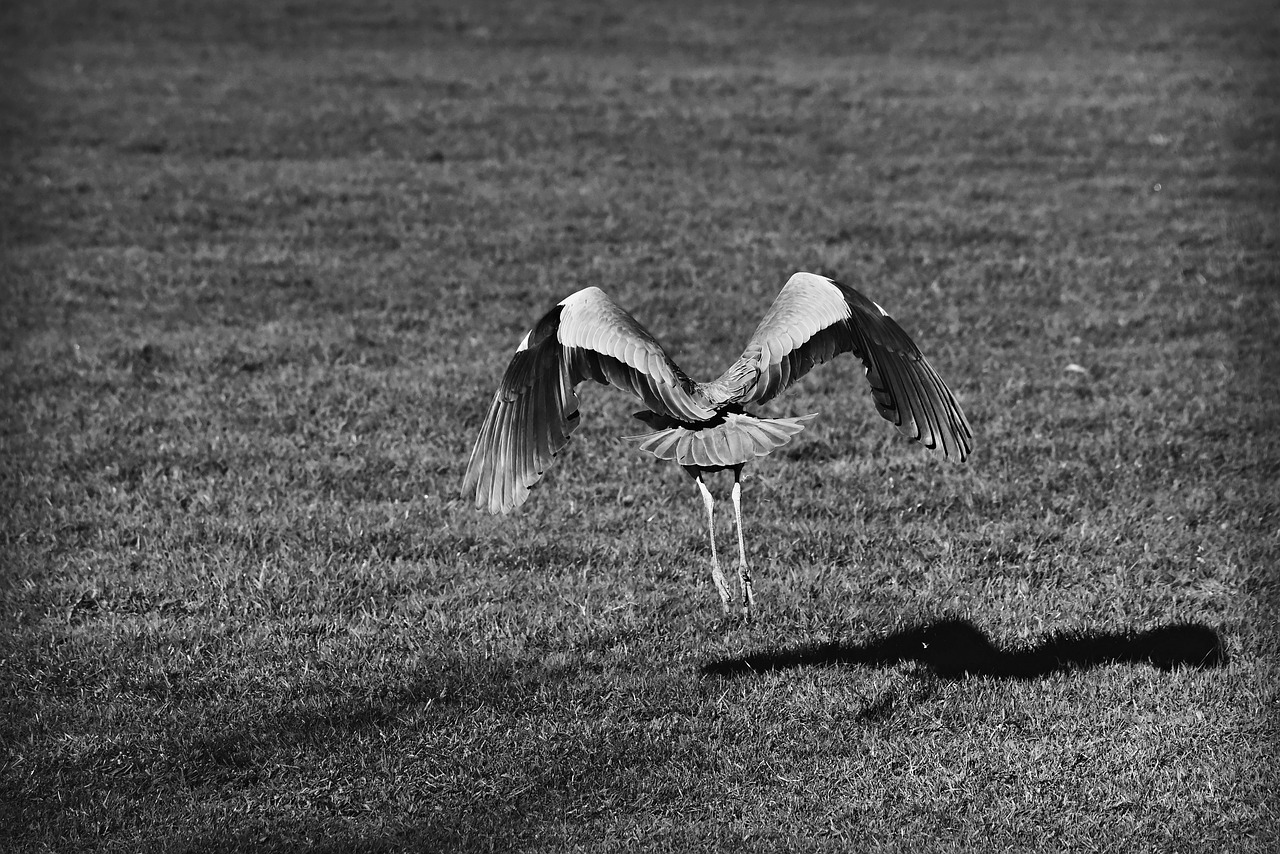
535 410
813 320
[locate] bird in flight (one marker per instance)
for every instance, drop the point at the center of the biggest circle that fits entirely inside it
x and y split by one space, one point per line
703 427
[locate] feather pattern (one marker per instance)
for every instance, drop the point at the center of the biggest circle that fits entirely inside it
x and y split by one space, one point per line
733 440
535 410
813 320
587 336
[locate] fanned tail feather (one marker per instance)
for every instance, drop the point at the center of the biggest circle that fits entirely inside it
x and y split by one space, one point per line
737 439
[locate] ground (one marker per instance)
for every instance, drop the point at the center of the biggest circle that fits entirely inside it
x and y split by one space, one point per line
264 262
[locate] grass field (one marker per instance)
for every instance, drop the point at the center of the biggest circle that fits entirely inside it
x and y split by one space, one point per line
264 262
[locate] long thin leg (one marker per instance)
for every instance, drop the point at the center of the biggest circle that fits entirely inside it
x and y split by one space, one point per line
717 574
744 574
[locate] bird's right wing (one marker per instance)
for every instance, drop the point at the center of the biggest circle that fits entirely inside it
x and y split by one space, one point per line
586 337
814 319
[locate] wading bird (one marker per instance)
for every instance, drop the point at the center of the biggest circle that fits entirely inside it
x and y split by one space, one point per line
703 427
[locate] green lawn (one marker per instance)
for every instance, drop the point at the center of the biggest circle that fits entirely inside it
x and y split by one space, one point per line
263 264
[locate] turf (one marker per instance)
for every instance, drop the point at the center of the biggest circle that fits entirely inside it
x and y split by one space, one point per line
263 264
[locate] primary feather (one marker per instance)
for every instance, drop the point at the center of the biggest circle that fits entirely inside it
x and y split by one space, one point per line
535 410
589 336
813 320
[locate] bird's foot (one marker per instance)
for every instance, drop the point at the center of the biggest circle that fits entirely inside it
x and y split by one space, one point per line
722 586
748 596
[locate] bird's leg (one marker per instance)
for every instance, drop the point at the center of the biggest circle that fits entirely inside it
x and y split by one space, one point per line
717 574
744 574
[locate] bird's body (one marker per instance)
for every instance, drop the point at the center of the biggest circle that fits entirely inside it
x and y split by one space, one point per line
703 427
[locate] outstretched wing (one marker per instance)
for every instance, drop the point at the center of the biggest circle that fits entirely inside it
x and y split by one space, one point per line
587 336
814 319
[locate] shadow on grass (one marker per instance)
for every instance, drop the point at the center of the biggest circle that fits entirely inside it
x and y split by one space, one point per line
955 648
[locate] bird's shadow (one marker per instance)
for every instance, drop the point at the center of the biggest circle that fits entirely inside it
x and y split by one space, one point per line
954 648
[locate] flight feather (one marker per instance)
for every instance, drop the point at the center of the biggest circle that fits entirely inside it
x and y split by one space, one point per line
813 320
587 336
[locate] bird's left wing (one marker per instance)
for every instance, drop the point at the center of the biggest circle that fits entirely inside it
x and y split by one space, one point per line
814 319
586 337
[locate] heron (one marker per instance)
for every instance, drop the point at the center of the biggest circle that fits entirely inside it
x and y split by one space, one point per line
702 427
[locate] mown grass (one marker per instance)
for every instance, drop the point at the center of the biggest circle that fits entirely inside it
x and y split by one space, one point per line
263 265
